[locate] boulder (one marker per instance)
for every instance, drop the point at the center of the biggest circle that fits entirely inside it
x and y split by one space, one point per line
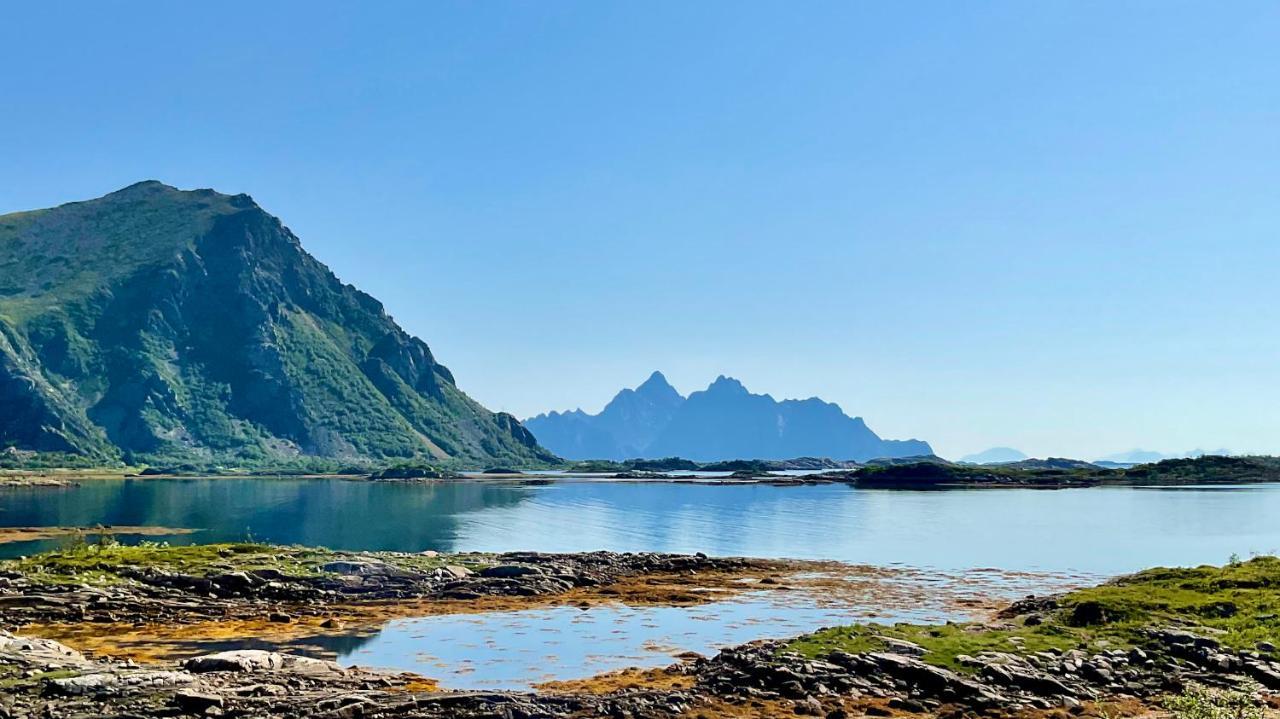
257 660
196 702
1265 674
902 646
363 569
104 684
244 660
40 650
235 582
933 680
456 571
509 571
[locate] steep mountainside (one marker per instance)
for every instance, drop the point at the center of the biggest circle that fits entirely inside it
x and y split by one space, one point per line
160 324
723 422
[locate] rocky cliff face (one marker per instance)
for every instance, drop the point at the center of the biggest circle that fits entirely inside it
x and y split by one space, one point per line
723 422
159 323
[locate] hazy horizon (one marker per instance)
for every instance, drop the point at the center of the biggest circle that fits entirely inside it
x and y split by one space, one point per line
1045 226
953 455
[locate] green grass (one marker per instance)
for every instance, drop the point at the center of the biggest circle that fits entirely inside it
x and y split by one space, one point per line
14 681
1237 604
102 563
943 642
163 327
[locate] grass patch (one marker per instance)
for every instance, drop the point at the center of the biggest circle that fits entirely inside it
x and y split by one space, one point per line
942 643
103 562
16 681
1238 604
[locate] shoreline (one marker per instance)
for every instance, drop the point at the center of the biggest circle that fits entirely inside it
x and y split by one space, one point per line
42 481
94 591
1108 650
913 474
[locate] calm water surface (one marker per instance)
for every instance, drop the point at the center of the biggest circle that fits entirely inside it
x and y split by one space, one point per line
515 650
1097 531
1066 536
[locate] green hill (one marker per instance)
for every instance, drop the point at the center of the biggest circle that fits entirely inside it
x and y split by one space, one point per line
159 325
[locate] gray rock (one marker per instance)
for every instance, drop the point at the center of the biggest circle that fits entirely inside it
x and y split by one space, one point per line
362 568
808 706
1097 672
1264 674
256 660
118 683
196 702
934 679
901 646
39 650
456 571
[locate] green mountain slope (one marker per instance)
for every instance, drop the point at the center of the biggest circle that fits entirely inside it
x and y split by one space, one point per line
158 324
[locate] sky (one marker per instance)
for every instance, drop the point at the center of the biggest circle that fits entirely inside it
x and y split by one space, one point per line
1052 225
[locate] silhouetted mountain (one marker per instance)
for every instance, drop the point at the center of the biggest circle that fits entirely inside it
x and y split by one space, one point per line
723 422
995 455
159 324
622 430
1143 456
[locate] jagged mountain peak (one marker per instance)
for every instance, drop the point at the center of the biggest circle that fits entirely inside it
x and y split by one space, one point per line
657 386
727 385
723 422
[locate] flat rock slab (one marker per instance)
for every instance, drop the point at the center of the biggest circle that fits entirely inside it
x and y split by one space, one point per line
34 649
257 660
117 683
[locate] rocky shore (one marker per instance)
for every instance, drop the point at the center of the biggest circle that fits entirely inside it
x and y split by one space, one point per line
42 678
995 683
1106 651
177 585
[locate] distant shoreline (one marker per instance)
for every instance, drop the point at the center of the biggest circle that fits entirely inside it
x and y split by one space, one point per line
919 476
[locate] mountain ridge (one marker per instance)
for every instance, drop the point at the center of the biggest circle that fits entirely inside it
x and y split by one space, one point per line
168 324
723 422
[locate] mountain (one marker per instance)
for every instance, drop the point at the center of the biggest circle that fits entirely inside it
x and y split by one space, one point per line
1135 456
995 455
1143 456
622 430
158 324
723 422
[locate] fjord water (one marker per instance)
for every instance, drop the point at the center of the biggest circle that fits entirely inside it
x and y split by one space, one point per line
1096 531
1044 539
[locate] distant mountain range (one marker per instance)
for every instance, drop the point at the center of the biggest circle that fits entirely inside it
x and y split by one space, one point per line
722 422
1143 456
1006 455
159 325
995 455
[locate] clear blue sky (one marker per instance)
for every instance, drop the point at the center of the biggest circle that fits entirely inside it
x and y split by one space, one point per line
1051 225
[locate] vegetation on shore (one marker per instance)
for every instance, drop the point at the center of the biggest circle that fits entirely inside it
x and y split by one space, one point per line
415 471
1237 604
935 472
1209 469
108 562
898 473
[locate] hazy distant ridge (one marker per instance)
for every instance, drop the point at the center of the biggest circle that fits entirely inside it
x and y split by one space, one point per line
724 421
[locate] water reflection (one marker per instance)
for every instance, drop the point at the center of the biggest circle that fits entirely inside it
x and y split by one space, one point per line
1098 530
330 513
